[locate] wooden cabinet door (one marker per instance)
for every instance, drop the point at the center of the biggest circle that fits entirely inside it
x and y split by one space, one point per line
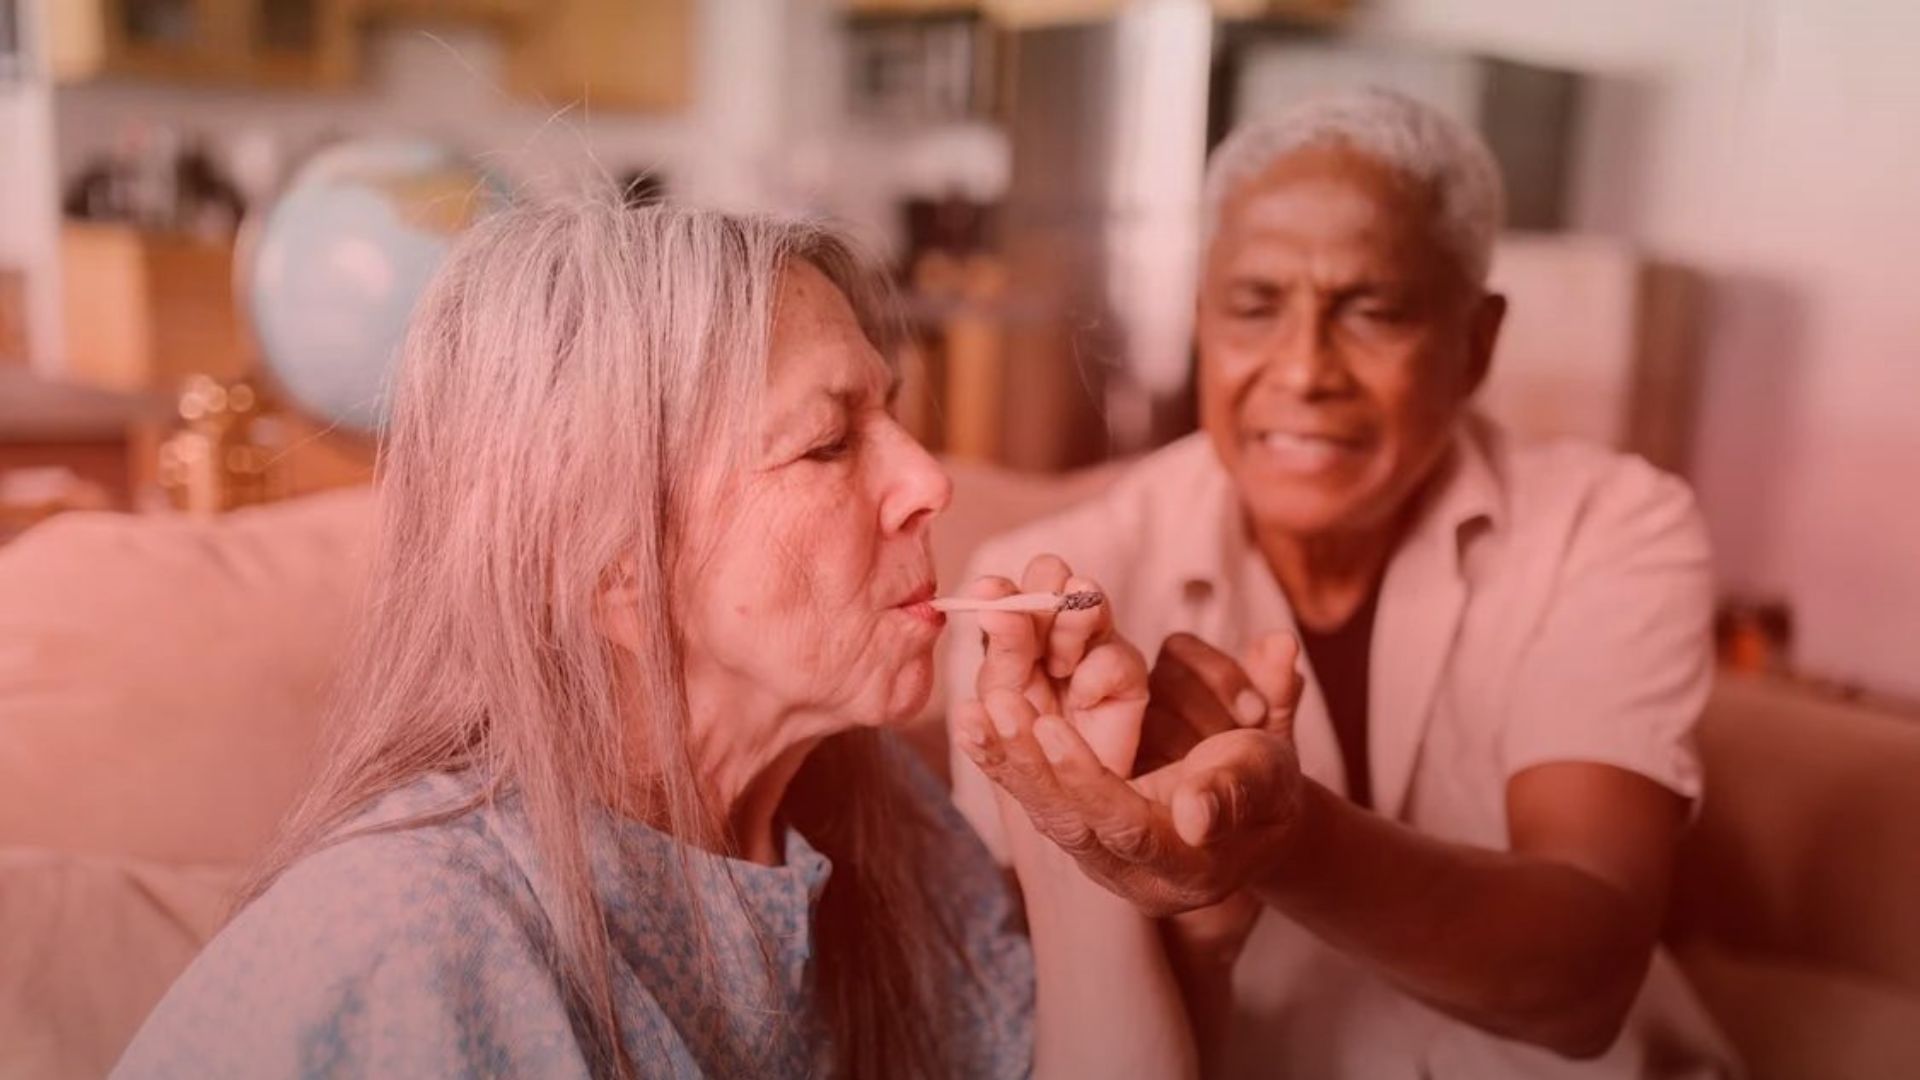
292 43
301 43
162 39
619 54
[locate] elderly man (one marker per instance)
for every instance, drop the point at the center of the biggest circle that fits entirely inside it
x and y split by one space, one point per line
1449 855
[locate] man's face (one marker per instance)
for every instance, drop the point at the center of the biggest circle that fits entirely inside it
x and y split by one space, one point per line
1338 342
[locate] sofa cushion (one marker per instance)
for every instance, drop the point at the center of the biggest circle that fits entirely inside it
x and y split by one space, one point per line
161 677
91 943
1807 840
1793 1020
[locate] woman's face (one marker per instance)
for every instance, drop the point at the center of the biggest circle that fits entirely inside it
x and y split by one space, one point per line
814 595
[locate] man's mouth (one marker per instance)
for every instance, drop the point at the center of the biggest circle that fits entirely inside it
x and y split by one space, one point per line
1305 453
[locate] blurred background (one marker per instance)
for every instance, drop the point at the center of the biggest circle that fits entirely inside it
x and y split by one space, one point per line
1711 223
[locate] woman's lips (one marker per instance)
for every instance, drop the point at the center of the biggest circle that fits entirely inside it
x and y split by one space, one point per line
919 605
925 612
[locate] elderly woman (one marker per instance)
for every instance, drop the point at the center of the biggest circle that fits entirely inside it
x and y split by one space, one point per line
612 796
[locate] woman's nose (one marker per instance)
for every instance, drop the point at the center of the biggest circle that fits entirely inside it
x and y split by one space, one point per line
917 487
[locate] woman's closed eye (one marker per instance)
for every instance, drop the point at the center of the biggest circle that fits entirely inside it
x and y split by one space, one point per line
831 449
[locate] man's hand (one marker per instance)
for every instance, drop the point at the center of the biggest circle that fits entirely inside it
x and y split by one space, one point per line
1199 692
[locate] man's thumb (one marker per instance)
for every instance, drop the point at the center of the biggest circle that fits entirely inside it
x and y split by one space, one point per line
1272 664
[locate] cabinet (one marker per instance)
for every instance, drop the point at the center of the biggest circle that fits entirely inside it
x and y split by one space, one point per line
634 54
1024 13
619 54
145 309
289 43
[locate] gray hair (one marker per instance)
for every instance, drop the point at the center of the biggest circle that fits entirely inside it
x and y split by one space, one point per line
1405 135
567 379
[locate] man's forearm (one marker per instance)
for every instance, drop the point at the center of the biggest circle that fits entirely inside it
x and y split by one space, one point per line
1523 947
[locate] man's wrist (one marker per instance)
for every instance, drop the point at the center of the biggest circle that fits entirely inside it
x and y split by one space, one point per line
1288 863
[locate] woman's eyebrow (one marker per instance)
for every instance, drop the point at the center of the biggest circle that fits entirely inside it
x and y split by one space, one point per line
801 419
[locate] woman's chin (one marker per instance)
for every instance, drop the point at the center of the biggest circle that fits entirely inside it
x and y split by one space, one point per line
909 692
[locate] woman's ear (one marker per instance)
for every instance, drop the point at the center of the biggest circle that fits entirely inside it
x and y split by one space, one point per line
616 610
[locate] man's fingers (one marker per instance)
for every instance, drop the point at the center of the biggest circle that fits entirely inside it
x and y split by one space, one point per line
1179 686
1232 782
1222 676
1209 806
1165 737
1272 663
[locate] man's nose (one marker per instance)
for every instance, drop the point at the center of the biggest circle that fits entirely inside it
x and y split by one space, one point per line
1306 361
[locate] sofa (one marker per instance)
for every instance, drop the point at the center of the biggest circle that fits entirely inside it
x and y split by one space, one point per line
162 680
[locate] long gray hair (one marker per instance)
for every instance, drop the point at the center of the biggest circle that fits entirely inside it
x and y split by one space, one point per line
567 379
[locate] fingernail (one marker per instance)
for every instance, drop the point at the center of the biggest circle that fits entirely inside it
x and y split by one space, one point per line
1053 743
1250 708
1209 812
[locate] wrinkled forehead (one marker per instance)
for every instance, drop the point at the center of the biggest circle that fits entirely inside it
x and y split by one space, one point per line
1331 194
818 345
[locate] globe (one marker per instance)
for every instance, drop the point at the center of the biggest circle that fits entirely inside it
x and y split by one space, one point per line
331 272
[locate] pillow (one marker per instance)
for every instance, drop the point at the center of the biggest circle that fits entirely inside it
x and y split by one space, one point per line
1794 1020
1806 841
161 677
91 944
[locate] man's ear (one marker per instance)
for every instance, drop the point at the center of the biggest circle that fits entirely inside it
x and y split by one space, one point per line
616 610
1483 333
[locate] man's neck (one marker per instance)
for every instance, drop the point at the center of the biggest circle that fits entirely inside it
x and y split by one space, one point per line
1327 577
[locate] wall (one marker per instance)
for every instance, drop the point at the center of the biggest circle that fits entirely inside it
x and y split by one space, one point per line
1771 144
27 197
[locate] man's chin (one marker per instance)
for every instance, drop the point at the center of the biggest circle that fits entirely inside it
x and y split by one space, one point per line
1302 515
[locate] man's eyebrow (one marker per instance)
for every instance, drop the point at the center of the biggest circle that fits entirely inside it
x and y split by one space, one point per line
1249 281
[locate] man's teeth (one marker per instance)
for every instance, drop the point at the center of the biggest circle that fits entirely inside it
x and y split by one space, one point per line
1302 451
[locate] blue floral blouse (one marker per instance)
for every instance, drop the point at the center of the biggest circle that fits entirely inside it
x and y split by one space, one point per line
424 952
